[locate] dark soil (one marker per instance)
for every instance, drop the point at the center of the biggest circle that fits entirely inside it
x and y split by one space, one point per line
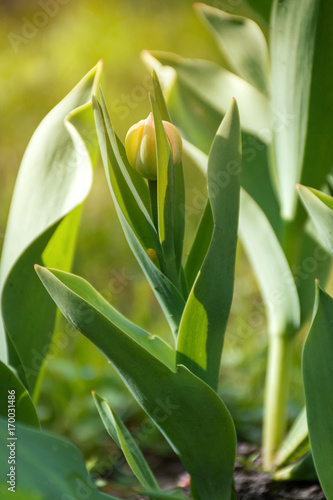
252 484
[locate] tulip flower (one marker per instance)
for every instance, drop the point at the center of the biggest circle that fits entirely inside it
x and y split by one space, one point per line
140 146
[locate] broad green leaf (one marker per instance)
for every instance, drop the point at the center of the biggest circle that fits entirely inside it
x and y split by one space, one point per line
156 346
271 268
214 86
121 435
24 409
169 297
242 43
318 376
295 444
205 317
320 208
187 411
47 467
302 100
54 178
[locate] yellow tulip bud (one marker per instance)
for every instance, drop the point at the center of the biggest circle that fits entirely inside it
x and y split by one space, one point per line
140 146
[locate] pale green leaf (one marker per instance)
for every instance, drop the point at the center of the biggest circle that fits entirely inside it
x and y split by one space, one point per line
54 178
302 100
214 87
271 268
242 43
320 208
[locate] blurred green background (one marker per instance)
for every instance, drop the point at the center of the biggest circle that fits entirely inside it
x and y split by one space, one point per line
46 47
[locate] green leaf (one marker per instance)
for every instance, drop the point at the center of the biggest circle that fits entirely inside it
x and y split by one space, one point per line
200 245
159 98
205 317
179 181
25 412
165 196
242 43
54 178
188 412
119 432
136 221
318 376
320 208
46 466
271 268
302 100
156 346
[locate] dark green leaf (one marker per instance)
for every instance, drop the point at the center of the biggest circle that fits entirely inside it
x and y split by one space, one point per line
318 376
24 410
203 324
187 411
47 467
119 432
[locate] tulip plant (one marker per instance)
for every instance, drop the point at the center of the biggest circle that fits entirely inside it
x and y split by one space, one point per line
278 71
282 138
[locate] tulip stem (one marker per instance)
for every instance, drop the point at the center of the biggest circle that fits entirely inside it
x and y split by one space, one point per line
153 201
276 396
